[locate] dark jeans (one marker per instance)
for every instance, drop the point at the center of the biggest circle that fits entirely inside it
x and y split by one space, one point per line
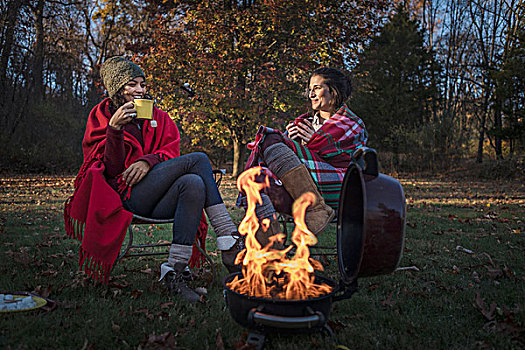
178 188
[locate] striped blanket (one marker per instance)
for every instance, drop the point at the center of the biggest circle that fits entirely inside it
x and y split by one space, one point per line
327 154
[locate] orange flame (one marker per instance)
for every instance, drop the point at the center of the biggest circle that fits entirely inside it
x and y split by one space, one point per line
268 272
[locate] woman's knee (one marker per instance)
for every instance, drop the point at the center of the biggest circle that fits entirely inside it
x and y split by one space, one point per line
271 139
200 157
193 187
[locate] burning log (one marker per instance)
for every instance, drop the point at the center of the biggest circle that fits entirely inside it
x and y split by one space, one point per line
267 272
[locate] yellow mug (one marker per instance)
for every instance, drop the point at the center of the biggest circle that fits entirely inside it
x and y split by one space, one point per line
144 108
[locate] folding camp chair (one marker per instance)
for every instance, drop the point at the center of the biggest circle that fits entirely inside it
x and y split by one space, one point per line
152 249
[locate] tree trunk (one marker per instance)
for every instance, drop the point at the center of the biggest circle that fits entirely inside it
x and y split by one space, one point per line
479 157
38 58
10 23
239 150
498 125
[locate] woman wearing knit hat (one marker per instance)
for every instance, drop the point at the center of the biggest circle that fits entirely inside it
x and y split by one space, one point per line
134 166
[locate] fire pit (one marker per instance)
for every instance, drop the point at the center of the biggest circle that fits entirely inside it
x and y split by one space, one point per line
272 315
275 293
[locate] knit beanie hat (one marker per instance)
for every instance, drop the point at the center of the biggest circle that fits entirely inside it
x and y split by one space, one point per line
117 72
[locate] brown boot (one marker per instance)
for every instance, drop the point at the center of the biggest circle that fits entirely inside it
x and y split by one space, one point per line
298 181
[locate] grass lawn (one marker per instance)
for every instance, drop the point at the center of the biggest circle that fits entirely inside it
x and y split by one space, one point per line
464 286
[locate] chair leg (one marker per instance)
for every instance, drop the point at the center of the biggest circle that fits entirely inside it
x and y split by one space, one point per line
129 246
210 261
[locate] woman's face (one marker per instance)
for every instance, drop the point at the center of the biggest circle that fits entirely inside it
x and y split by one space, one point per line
135 88
319 94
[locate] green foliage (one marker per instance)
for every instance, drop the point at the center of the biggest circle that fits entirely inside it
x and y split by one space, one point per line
397 86
47 139
510 94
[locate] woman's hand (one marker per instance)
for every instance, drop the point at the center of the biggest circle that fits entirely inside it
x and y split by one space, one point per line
305 130
123 115
292 130
135 172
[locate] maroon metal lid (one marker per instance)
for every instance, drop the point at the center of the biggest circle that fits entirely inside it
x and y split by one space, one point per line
371 220
351 224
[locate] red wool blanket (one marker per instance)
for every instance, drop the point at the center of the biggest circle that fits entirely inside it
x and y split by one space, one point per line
94 213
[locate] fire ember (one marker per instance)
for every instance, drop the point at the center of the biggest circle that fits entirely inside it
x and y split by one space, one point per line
268 272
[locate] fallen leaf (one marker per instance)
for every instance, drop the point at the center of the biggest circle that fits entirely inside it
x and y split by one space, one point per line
373 286
218 341
479 304
241 344
146 312
166 305
388 301
160 342
43 291
336 325
412 225
135 293
119 284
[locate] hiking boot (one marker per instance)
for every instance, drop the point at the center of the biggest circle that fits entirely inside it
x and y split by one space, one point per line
176 284
228 256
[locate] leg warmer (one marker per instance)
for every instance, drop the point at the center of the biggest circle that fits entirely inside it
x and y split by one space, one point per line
179 256
222 224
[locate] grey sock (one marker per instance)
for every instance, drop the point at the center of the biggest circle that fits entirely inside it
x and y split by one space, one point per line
222 224
280 159
179 256
265 210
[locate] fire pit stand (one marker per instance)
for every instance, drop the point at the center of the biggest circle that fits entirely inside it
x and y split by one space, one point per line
257 339
264 316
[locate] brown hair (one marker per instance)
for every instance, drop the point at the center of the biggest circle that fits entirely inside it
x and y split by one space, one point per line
338 83
116 101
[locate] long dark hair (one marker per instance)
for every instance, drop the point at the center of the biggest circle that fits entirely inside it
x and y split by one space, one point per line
338 83
117 101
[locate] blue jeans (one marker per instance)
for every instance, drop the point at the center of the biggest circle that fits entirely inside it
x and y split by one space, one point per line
179 188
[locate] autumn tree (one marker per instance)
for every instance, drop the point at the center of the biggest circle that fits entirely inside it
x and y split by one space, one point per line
224 67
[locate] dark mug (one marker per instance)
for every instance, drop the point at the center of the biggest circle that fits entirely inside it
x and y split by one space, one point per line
298 121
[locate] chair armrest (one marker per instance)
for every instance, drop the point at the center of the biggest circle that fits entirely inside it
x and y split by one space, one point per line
217 175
